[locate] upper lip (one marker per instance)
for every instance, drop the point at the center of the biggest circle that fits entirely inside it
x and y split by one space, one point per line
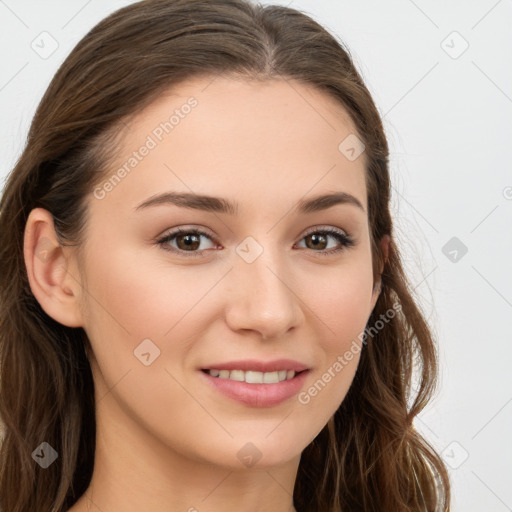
259 366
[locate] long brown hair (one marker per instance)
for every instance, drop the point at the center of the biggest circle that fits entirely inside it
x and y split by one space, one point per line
368 457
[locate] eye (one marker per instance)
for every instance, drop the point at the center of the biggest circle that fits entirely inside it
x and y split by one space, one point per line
187 241
318 240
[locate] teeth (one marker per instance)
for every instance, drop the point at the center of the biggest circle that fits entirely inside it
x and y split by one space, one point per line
253 377
236 375
270 378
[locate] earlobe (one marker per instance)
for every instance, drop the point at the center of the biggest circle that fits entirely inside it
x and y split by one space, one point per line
50 273
384 245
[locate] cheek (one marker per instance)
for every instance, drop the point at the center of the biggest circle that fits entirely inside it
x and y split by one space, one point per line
133 296
343 304
124 308
342 300
140 297
131 300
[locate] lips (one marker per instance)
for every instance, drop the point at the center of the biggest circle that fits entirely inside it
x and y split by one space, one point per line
257 383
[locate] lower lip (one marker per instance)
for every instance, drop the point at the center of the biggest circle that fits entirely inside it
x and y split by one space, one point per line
258 395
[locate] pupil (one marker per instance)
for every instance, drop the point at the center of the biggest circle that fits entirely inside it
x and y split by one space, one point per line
189 240
316 239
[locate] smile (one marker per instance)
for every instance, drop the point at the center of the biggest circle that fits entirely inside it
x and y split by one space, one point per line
252 377
256 389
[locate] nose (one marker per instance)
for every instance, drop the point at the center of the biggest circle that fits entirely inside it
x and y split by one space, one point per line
263 297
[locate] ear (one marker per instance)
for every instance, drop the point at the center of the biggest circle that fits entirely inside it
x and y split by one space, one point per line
52 274
384 246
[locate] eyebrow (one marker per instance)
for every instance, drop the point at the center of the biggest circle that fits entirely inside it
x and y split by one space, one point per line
221 205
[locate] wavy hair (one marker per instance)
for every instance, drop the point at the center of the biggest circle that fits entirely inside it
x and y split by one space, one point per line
368 457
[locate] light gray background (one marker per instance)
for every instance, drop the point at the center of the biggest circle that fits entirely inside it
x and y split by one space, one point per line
447 114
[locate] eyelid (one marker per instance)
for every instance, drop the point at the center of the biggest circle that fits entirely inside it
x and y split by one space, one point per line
188 228
327 228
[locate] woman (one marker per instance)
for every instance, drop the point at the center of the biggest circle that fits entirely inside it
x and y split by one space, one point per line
202 303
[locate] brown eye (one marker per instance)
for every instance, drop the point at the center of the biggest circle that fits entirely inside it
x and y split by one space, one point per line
188 241
317 241
184 241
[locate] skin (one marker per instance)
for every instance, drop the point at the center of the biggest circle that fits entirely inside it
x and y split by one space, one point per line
166 440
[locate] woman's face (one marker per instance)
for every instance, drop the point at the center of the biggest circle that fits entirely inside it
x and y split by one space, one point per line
253 277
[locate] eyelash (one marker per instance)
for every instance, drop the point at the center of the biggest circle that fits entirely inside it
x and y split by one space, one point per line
345 240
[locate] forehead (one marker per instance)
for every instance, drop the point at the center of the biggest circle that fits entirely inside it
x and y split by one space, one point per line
228 136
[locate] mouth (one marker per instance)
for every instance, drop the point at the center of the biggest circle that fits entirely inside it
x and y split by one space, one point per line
253 377
256 388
